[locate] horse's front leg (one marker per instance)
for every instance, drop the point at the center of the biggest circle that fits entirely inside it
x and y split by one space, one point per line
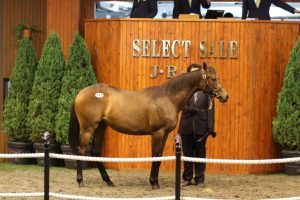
158 142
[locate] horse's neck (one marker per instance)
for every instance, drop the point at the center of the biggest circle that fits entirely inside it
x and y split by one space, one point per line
189 85
180 99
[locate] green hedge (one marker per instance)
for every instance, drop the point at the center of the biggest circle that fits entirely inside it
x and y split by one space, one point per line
79 74
46 90
286 125
16 104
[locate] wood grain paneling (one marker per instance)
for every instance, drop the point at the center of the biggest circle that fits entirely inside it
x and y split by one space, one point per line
63 17
87 8
1 61
253 80
3 145
28 12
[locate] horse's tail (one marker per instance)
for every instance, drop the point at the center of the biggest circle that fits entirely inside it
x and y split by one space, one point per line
74 139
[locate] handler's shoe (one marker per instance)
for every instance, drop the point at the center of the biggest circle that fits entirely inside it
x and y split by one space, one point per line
200 184
186 183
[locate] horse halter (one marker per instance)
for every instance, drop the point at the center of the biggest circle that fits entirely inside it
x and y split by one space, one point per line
214 91
204 77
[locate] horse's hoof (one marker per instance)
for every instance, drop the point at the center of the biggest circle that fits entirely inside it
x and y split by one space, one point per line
81 185
155 186
110 184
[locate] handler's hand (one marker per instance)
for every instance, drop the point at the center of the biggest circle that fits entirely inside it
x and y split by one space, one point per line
297 11
190 110
212 133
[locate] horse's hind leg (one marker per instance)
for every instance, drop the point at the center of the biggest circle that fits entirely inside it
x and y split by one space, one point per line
96 151
84 140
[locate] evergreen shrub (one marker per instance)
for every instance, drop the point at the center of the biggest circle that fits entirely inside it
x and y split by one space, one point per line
286 125
16 104
79 74
46 90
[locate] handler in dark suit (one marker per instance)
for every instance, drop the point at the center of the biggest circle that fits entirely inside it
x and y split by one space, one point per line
189 6
197 119
260 8
144 9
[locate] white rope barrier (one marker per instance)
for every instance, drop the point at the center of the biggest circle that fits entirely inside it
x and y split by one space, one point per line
68 196
22 155
244 162
106 159
288 198
22 194
144 159
77 197
152 159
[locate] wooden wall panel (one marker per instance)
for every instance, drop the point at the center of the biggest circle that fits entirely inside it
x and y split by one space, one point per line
1 61
87 8
253 80
63 17
3 145
29 12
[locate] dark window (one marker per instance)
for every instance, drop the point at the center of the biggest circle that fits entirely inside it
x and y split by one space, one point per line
6 87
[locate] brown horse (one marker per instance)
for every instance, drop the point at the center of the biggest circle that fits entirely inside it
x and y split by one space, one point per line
151 111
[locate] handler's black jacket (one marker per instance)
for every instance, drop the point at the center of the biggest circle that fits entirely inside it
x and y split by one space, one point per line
144 9
250 9
198 117
183 7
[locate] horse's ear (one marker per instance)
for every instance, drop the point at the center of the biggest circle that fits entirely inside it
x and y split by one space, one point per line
204 65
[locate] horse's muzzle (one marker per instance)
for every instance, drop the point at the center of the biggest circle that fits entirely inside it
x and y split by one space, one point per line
223 99
222 95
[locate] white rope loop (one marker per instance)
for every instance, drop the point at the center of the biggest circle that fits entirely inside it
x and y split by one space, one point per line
76 197
106 159
152 159
244 162
22 194
68 196
149 159
22 155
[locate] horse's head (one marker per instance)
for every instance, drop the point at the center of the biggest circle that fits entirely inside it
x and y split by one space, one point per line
211 84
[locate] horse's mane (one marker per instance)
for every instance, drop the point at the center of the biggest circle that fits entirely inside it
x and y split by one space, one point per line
176 84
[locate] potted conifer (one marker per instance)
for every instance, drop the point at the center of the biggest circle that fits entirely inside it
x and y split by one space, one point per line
44 97
286 125
79 74
16 104
24 31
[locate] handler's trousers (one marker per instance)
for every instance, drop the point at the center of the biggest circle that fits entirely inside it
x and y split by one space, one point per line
192 148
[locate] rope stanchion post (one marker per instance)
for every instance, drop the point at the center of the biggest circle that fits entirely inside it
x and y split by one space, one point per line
178 166
46 165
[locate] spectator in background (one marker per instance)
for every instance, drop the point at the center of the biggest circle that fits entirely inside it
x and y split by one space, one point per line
144 9
189 6
259 9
